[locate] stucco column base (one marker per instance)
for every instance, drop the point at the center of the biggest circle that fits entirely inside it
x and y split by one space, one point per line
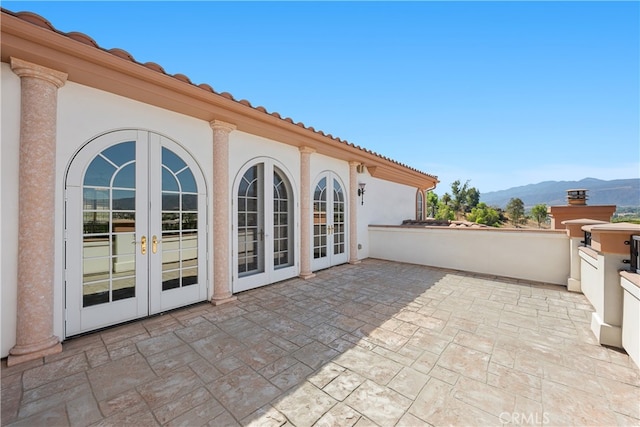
574 285
606 334
354 262
223 300
20 354
306 276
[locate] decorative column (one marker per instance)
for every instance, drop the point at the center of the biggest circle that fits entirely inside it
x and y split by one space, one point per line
576 240
36 227
221 215
353 212
305 212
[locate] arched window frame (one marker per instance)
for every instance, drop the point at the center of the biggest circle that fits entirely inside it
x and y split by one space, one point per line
420 207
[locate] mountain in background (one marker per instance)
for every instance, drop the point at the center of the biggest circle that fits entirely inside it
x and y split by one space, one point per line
619 192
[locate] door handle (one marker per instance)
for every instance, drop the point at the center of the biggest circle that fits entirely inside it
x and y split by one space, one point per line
154 244
143 245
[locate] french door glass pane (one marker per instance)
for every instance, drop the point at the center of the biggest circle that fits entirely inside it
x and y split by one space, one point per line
320 219
179 241
126 177
250 232
282 207
338 219
108 248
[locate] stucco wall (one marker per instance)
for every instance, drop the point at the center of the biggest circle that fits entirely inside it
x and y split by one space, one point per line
385 203
630 283
541 256
590 279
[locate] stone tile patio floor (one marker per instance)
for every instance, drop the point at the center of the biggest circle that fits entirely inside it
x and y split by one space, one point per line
378 343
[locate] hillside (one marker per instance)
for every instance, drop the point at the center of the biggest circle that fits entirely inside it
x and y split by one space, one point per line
619 192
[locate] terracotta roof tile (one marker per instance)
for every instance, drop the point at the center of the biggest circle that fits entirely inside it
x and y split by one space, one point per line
182 78
121 53
206 87
36 20
83 38
155 67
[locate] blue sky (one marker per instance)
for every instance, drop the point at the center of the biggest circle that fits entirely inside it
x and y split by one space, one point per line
499 93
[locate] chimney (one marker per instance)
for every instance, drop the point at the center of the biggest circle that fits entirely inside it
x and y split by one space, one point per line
577 197
576 208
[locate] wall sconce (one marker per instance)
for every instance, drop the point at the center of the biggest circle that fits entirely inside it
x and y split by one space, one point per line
361 191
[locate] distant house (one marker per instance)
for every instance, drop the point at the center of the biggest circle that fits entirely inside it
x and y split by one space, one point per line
127 192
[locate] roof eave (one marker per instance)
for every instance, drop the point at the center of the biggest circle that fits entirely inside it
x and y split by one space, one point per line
90 65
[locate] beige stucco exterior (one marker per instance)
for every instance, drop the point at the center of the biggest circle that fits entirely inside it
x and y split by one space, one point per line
537 255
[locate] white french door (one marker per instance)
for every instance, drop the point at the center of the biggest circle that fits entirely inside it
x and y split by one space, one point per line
135 230
264 226
329 222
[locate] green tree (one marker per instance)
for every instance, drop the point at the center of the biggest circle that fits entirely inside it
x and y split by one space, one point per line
515 210
459 196
483 214
539 213
432 204
473 198
445 212
446 199
464 198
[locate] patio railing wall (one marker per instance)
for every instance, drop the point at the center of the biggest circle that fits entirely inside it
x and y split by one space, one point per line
533 255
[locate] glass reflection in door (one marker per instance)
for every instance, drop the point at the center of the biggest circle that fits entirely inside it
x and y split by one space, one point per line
250 223
179 240
109 226
320 219
282 221
338 219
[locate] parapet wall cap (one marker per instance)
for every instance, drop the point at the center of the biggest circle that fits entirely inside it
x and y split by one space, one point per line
616 227
583 221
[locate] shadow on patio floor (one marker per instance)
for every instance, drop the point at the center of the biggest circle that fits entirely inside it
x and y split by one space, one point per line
378 343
